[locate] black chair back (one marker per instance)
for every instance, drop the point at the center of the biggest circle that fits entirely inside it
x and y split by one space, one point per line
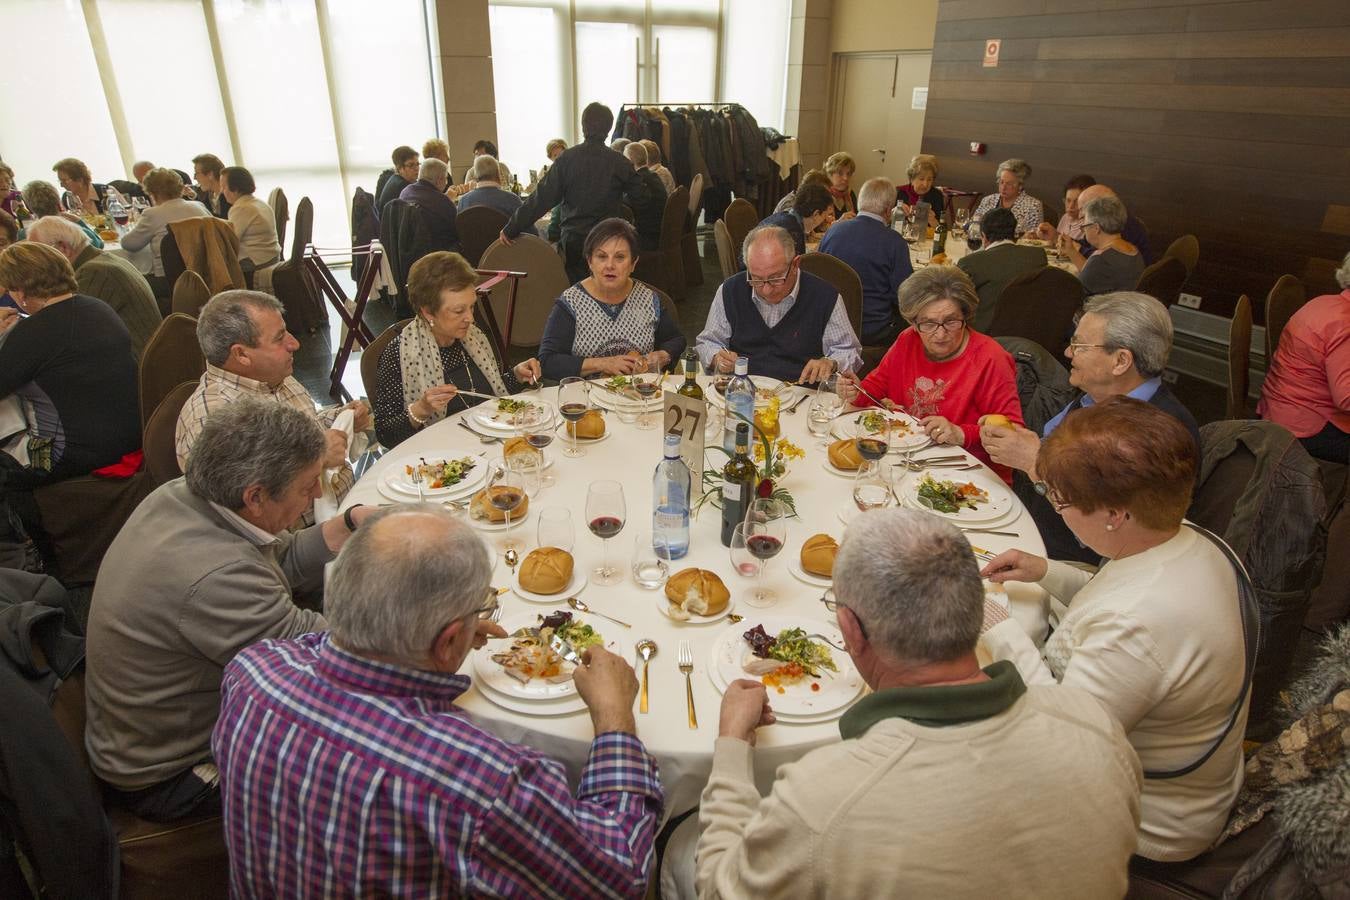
478 227
1040 307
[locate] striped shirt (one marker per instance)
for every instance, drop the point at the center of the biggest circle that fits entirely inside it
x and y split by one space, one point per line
346 777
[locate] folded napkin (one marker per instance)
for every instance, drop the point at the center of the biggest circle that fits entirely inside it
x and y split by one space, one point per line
326 506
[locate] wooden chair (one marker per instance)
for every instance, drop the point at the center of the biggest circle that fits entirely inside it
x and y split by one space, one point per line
1186 250
1040 307
281 213
190 294
1239 358
291 284
1282 302
726 252
157 441
740 216
1163 280
478 227
370 357
842 278
535 295
171 356
664 266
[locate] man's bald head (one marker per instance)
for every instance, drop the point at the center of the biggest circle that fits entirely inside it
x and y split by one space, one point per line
1094 192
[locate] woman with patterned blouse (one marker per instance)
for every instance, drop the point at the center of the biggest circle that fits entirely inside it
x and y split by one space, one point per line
439 353
608 323
1012 175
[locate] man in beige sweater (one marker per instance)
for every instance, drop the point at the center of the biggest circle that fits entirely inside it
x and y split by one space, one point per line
950 780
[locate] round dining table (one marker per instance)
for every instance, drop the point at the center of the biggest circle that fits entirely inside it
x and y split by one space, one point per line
630 454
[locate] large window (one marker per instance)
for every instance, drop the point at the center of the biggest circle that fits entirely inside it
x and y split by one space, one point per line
309 96
552 57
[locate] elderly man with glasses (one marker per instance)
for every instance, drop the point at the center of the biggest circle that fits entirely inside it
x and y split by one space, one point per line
791 324
1120 346
349 770
203 568
950 779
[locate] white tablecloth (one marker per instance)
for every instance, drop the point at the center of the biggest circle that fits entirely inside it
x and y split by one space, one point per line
785 156
630 455
957 248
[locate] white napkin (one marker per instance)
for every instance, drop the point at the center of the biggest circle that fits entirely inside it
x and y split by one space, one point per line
326 506
14 428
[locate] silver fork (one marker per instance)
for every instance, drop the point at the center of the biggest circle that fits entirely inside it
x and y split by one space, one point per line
417 478
496 614
686 662
828 641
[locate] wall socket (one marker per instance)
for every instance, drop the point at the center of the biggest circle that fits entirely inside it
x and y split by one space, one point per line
1190 301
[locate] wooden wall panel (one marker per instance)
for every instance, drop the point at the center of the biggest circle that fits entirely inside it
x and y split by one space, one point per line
1226 119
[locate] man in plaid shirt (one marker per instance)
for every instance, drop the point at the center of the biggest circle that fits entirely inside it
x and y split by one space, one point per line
348 771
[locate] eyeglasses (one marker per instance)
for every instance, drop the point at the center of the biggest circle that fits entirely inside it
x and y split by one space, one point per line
491 603
948 325
1087 223
1075 348
1057 500
771 281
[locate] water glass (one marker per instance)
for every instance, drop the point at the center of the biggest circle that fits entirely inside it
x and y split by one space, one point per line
872 486
923 252
555 528
820 415
651 560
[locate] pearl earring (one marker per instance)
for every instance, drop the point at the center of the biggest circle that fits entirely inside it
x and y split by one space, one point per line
1110 528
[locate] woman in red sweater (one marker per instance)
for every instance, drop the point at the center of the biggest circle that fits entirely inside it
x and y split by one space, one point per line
938 370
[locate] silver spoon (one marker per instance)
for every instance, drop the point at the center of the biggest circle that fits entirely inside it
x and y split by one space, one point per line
580 606
646 648
512 557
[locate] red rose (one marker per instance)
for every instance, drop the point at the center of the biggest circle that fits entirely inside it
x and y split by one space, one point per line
765 488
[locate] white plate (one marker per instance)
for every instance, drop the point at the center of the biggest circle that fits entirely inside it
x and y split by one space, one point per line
576 584
485 525
795 567
398 480
566 706
844 427
786 395
830 467
499 423
607 399
837 689
782 718
1001 500
581 441
491 675
664 605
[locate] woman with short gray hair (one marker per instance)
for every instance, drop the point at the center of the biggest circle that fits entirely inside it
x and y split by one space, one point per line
42 200
921 187
940 371
1115 263
1011 178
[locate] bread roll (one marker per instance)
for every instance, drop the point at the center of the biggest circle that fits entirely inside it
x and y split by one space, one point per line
844 454
818 555
481 507
519 447
697 592
591 425
546 571
995 420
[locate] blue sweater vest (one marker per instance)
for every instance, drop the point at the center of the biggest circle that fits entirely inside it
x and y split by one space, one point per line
781 351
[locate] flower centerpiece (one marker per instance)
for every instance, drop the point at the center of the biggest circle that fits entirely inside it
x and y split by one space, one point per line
772 454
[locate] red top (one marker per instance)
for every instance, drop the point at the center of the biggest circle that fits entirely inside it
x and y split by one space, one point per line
1308 382
979 381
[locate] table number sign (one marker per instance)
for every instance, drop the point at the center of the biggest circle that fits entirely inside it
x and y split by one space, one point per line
687 417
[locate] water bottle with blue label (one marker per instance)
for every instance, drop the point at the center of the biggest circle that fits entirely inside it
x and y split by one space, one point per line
671 486
740 400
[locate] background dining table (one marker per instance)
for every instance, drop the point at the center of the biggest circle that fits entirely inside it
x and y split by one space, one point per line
630 455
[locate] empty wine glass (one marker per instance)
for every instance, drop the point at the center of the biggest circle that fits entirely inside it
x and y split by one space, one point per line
765 529
825 405
574 399
605 516
962 217
872 486
555 528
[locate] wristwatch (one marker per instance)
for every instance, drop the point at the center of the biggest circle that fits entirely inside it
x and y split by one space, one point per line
347 516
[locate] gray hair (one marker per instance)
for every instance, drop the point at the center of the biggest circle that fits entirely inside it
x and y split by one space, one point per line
769 233
225 321
637 154
252 441
877 196
619 143
1137 323
41 199
1343 273
913 583
1018 167
933 283
391 592
433 170
485 168
653 150
1107 213
56 230
924 162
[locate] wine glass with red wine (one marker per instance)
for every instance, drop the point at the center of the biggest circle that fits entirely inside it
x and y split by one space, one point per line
574 399
507 495
535 424
765 534
605 515
872 434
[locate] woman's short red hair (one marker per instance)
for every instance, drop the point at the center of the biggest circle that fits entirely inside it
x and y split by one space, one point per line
1125 454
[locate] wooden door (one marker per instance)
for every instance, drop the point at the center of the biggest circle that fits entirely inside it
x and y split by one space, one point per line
873 118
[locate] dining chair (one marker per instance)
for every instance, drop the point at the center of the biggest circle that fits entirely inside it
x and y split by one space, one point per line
190 294
281 213
158 439
842 278
740 216
535 295
207 246
478 227
726 253
1239 358
291 284
1039 306
1186 249
1284 299
171 356
664 266
1163 280
370 357
695 195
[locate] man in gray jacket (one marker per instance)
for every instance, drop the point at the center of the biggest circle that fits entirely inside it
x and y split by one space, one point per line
203 568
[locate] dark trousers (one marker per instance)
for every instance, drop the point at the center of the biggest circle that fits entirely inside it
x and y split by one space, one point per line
183 795
574 260
1330 444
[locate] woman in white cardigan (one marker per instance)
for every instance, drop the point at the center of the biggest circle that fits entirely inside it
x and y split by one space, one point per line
1156 633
